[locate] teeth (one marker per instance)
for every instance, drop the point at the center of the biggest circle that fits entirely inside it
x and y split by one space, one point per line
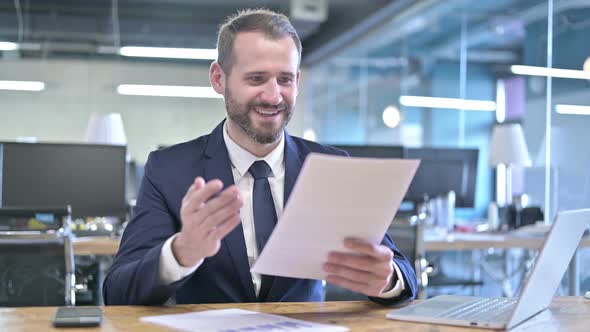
267 113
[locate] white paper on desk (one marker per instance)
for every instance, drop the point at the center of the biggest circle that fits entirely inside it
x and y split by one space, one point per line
334 198
236 320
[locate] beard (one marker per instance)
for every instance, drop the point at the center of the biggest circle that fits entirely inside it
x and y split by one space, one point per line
267 132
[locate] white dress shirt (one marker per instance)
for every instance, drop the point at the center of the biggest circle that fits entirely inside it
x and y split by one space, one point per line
241 159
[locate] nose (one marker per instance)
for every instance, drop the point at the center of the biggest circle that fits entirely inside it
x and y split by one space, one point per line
272 93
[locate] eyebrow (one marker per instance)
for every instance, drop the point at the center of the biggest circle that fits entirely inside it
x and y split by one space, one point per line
283 73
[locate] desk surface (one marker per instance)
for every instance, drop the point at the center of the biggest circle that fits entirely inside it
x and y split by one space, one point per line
102 245
564 314
471 241
96 245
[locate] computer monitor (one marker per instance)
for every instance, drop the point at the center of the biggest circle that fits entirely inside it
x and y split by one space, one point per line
135 172
442 170
373 151
88 177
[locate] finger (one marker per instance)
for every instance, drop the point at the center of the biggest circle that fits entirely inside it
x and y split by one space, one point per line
197 184
223 213
219 232
225 200
379 252
199 197
361 262
351 274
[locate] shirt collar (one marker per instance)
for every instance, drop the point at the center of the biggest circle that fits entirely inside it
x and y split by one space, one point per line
242 159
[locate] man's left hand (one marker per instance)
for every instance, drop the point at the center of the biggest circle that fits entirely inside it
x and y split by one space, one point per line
368 269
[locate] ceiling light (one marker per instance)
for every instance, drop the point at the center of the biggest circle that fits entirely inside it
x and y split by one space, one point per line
168 91
391 116
572 109
22 85
500 101
166 52
8 46
586 66
552 72
450 103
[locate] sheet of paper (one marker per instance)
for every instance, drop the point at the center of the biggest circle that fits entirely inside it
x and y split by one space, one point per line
334 198
236 320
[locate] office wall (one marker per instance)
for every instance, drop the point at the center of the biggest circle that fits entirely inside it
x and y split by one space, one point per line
349 110
569 185
445 124
77 88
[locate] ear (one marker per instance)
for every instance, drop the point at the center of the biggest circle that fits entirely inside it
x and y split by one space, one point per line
217 78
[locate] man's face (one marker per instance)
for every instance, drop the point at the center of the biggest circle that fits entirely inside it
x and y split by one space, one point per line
261 89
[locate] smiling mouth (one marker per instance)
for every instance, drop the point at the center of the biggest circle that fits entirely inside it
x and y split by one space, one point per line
267 113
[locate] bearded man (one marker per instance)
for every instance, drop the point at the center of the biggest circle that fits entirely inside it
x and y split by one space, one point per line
206 207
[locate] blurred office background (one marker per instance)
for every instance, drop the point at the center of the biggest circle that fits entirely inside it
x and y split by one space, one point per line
370 72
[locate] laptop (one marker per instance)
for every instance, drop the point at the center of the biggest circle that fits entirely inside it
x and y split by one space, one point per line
504 313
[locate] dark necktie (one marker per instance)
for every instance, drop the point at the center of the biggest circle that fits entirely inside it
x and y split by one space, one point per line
265 215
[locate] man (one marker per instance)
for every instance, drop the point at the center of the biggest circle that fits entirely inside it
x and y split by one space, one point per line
198 244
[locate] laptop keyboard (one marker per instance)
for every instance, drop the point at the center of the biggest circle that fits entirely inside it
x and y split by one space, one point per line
498 309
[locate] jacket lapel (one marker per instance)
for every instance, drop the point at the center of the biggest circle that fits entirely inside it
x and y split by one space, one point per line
293 163
218 166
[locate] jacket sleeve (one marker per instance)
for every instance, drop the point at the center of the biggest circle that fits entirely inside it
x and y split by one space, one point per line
411 283
133 279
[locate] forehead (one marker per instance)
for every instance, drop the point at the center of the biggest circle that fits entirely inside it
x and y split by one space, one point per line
255 51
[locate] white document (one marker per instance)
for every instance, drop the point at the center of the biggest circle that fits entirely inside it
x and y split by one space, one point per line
236 320
334 198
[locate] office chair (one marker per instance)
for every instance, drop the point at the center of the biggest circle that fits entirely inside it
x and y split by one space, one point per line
36 256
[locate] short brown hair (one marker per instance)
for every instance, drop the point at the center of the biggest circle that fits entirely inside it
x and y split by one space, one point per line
273 25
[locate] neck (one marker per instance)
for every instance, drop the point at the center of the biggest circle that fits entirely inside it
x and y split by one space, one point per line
247 143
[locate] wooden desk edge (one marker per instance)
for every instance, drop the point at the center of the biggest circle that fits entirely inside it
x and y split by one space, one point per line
565 313
108 246
96 245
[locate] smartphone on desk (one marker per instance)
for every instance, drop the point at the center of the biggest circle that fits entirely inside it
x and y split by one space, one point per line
77 317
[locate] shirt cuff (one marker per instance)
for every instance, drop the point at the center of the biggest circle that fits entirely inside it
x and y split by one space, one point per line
170 271
399 285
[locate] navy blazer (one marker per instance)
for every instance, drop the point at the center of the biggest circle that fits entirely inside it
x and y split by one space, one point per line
224 277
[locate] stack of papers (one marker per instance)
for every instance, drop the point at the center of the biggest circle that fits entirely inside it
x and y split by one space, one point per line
237 320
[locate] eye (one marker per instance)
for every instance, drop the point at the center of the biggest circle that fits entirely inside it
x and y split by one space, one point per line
256 79
285 80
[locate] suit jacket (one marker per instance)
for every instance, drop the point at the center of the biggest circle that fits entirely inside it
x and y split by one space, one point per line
224 277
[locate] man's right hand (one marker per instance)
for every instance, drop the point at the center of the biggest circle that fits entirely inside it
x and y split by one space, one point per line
206 219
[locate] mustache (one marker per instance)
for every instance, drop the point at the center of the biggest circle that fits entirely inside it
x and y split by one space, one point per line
279 107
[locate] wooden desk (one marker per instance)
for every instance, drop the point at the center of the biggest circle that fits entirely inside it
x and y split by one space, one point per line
469 241
96 245
564 314
108 246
